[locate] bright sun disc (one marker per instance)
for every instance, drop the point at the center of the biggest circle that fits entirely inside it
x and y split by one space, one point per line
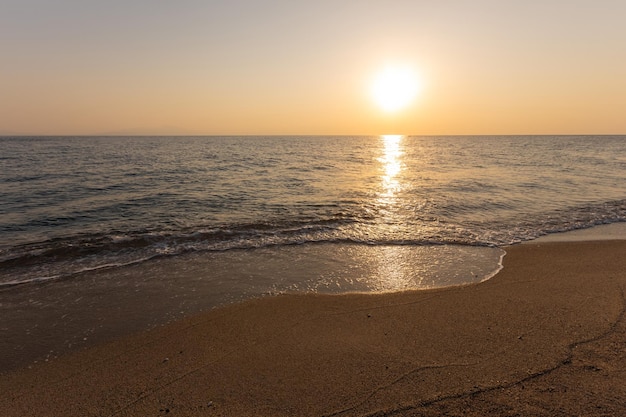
394 88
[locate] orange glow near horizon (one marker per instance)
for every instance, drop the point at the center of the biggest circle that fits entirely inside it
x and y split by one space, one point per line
216 68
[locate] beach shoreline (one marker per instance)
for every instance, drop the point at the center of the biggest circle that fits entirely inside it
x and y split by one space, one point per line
44 320
545 336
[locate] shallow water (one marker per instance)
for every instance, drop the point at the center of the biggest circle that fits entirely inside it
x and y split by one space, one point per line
46 319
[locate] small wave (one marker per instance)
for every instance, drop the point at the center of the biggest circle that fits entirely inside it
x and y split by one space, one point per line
62 257
23 281
65 259
499 268
559 221
72 272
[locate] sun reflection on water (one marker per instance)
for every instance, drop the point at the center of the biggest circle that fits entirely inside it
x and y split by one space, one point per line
392 152
391 270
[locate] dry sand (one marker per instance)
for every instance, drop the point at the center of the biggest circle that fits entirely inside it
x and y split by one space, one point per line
544 337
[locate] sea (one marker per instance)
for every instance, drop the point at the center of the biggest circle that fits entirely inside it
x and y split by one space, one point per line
101 236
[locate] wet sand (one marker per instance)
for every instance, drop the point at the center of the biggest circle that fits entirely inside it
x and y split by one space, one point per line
544 337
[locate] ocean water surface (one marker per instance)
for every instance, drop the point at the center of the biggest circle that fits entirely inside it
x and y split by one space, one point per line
91 225
71 204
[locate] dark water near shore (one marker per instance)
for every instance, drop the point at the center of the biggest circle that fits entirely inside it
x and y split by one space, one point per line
101 236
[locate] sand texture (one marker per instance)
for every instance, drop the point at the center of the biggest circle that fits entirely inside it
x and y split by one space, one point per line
544 337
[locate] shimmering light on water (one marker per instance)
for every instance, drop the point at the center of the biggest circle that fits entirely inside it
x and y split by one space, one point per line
392 165
391 272
72 204
165 226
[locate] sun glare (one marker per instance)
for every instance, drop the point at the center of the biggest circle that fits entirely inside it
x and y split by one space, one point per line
394 88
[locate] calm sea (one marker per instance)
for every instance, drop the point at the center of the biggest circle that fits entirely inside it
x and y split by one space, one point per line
73 204
102 236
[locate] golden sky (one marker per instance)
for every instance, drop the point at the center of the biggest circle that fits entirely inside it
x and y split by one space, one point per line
291 67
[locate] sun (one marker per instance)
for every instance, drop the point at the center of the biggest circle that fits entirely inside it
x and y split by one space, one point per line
394 88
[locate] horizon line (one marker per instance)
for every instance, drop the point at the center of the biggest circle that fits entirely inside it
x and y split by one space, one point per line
5 135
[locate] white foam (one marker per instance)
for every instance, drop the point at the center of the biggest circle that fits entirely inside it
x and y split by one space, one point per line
613 231
499 268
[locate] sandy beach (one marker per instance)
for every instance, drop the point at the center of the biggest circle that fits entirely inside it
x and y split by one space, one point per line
545 337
